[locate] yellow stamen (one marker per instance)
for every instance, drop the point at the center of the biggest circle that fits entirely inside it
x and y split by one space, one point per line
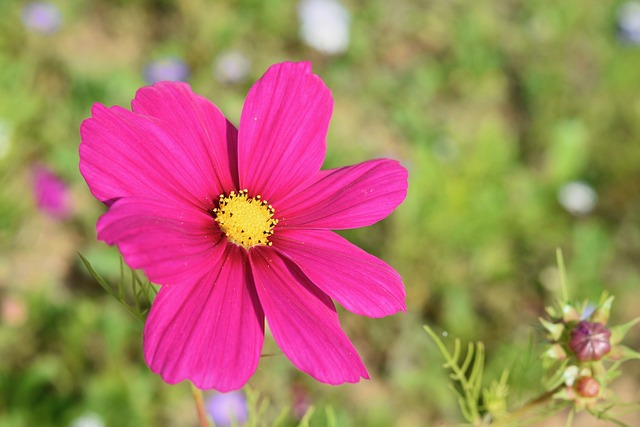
246 221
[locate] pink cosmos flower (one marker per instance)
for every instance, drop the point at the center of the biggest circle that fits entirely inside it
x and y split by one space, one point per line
235 224
51 193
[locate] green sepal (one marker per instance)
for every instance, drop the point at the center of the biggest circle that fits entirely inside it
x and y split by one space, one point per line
601 314
570 314
622 353
618 332
555 329
565 393
555 352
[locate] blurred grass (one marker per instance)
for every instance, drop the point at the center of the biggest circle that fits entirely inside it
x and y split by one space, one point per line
492 106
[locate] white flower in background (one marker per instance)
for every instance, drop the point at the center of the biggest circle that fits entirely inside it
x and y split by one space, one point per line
577 197
629 22
90 419
324 25
231 67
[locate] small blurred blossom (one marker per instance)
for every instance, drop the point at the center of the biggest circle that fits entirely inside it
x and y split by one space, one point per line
14 311
225 409
324 25
90 419
578 198
41 17
629 22
231 67
166 69
301 401
51 193
5 139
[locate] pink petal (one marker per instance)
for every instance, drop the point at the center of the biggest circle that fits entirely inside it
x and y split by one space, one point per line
173 244
303 320
347 197
210 332
283 128
359 281
208 140
124 154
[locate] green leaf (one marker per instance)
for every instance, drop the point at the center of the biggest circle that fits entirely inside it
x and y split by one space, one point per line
495 397
471 383
331 416
95 275
139 289
304 422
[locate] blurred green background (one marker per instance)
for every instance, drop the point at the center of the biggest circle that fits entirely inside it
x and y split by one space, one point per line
519 122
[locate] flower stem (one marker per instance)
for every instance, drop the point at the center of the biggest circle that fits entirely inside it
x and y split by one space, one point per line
202 415
563 279
532 404
569 422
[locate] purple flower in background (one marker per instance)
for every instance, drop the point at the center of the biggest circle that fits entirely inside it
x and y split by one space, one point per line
51 193
41 17
301 401
629 22
227 408
166 69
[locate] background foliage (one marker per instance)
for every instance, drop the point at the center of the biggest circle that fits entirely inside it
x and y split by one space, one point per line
493 106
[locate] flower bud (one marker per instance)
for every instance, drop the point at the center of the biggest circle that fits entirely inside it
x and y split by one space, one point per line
590 341
556 352
587 387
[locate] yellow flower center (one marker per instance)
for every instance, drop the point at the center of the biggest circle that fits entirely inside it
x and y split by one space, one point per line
246 221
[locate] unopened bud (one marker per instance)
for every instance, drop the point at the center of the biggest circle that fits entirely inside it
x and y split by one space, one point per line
556 352
590 341
587 387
